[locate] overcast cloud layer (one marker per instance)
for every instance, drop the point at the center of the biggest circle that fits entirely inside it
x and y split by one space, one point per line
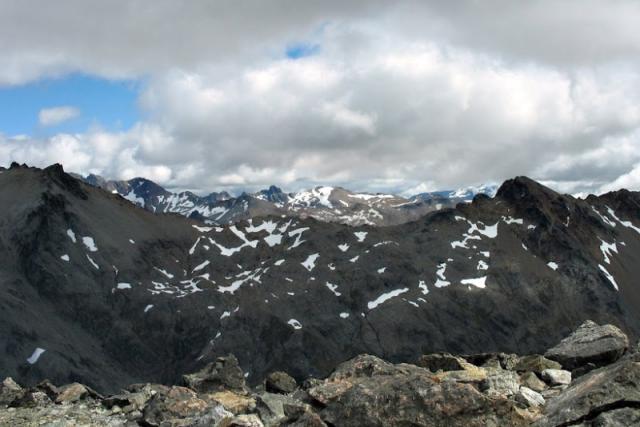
400 96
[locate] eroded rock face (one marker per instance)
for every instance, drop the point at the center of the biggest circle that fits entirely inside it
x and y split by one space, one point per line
590 343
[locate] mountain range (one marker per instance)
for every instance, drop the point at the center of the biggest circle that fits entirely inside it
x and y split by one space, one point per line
97 290
323 203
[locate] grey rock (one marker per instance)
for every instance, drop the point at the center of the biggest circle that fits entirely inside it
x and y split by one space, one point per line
271 406
245 420
31 399
590 343
556 376
280 382
529 398
9 391
602 390
618 417
500 382
136 400
223 374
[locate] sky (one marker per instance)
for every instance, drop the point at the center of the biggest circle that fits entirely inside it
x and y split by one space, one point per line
404 96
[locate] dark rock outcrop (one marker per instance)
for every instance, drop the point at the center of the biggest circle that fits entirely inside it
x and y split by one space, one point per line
610 393
590 344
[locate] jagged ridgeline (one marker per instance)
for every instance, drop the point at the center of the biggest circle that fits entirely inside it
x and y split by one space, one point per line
329 204
100 291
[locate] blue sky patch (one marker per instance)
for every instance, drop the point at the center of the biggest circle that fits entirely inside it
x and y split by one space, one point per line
301 50
109 104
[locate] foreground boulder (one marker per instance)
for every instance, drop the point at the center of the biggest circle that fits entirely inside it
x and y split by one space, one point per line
590 344
280 382
369 391
9 391
609 396
223 374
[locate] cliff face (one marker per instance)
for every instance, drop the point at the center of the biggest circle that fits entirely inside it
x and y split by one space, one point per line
113 294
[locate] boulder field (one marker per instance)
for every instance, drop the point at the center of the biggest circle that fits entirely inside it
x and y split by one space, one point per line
591 378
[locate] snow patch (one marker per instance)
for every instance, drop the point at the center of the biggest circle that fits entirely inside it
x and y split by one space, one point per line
294 324
201 266
361 235
627 224
93 263
123 285
90 243
298 234
423 286
310 262
552 265
385 297
441 280
72 235
35 355
606 249
65 257
333 288
609 276
478 282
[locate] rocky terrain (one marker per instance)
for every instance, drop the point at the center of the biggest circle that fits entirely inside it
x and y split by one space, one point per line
322 203
98 291
590 378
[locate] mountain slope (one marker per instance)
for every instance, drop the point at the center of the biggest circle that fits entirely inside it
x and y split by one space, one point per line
147 297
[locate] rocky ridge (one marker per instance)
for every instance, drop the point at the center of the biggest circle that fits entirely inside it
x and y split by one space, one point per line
489 389
331 204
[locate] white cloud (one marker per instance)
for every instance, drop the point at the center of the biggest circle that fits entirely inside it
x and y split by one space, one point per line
400 96
56 115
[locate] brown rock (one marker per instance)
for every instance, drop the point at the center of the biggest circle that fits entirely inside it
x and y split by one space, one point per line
72 393
531 380
535 363
232 402
280 382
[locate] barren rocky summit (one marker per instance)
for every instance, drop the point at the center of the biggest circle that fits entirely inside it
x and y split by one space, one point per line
442 389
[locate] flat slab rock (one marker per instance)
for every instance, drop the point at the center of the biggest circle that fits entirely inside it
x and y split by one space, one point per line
590 343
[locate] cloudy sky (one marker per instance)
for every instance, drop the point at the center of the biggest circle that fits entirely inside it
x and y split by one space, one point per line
401 96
